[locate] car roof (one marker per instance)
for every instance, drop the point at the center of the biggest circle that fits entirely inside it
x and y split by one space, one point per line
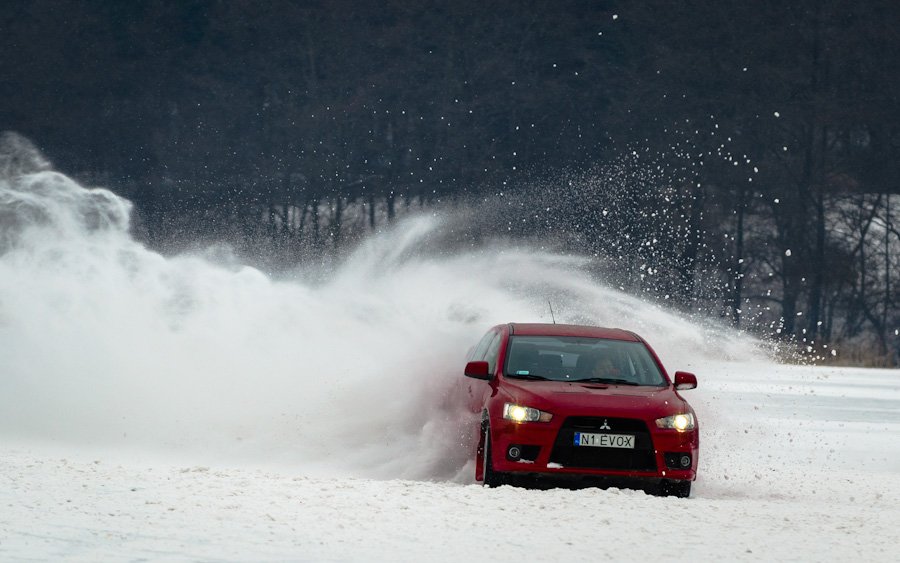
544 329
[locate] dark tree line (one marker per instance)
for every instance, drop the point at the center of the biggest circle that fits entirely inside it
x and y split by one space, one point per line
736 158
788 116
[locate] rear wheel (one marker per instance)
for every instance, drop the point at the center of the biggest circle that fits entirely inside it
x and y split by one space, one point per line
491 478
680 489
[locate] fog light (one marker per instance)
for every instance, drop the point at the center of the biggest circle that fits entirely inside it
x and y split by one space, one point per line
514 453
678 460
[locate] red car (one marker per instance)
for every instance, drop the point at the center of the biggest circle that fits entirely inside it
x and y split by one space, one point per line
566 402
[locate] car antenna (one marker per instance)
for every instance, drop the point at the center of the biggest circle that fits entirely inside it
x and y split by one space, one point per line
551 311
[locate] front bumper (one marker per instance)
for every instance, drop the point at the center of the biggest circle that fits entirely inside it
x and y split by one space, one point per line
549 449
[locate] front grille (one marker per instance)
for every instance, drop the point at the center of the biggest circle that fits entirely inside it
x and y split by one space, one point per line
567 454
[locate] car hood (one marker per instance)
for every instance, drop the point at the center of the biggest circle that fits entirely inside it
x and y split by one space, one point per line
584 399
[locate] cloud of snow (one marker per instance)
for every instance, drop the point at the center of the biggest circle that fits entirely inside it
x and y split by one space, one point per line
107 344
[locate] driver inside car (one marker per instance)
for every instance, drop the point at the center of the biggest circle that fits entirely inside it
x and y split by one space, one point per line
603 367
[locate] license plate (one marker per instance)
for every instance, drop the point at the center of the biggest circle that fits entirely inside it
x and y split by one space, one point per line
605 440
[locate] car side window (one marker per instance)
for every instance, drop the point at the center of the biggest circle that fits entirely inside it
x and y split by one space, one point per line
482 347
491 355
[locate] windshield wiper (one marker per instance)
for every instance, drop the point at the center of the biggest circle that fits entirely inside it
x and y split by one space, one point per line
612 380
527 376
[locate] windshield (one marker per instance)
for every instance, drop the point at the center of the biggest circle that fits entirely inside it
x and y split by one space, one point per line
570 358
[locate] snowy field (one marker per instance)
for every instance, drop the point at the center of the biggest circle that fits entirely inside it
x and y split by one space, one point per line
191 409
814 478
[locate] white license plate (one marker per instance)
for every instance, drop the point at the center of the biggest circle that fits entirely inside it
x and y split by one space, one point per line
605 440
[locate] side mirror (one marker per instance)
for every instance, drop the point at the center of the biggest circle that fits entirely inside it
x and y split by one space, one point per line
478 370
685 380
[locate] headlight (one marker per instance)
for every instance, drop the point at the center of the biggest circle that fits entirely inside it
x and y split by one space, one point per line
518 413
680 422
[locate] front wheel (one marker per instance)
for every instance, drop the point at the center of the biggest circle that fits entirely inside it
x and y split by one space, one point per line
491 478
680 489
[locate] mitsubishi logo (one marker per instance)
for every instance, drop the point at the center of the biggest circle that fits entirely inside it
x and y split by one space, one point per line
605 425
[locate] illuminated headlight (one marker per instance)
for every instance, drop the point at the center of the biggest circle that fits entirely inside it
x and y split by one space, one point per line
518 413
680 422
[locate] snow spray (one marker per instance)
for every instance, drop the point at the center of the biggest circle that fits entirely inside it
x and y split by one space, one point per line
106 344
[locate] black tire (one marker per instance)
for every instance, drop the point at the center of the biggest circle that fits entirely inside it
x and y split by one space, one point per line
680 489
491 478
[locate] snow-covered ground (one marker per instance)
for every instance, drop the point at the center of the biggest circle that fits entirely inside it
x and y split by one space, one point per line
188 408
814 478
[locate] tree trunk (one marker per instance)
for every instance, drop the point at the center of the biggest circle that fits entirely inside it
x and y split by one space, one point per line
738 285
